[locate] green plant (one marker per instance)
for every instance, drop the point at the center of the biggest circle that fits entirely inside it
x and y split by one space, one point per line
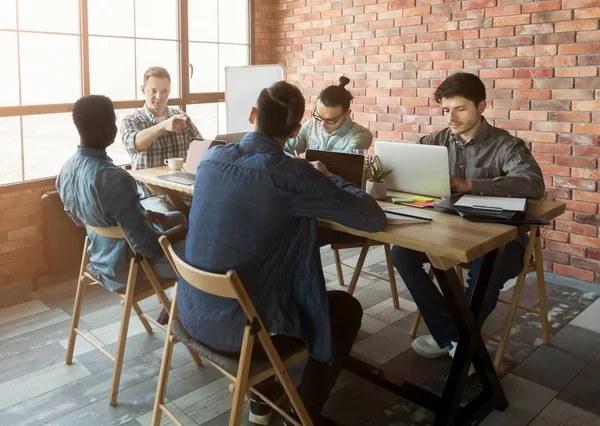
374 169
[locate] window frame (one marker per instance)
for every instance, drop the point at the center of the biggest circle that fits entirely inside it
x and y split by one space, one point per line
185 98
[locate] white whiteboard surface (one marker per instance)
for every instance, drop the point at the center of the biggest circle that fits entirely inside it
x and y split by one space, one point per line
242 87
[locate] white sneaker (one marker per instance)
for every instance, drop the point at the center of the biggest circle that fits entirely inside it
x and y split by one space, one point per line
452 351
427 347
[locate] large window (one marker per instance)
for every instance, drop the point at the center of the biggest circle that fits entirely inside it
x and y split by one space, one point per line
55 51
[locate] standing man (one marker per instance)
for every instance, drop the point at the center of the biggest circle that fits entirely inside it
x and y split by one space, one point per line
484 160
157 131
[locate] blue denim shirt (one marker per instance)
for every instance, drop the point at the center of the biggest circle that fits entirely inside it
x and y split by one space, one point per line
96 192
255 211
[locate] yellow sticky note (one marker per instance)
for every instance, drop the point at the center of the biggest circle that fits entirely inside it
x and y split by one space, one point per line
422 199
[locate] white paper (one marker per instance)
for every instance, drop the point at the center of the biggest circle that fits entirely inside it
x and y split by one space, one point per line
503 203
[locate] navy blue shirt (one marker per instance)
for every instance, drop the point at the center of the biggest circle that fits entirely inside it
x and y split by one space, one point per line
255 211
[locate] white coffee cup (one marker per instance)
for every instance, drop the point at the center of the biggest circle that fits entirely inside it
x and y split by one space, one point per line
174 163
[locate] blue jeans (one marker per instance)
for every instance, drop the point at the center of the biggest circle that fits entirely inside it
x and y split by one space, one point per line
430 300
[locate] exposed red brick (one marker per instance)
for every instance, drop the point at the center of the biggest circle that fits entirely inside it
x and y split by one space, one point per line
574 272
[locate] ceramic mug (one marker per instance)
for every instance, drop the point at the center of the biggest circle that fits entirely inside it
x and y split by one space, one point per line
174 163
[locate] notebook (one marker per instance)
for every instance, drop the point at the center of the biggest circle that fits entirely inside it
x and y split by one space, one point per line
394 219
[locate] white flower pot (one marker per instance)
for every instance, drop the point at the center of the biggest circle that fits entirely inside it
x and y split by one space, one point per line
376 190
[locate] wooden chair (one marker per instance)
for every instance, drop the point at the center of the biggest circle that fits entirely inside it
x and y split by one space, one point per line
133 292
533 262
244 372
359 264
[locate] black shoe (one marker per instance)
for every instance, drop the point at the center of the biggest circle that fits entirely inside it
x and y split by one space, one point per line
163 318
260 411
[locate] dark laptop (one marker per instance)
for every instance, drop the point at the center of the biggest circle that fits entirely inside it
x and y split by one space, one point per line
348 166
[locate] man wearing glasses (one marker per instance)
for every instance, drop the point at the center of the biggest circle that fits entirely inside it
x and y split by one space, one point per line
331 128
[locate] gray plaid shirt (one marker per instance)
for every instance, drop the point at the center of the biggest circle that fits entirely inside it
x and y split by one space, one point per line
496 162
168 145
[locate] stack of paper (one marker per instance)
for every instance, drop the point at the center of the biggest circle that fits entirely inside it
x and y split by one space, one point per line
492 203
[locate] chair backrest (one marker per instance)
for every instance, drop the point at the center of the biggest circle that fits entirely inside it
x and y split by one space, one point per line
221 285
114 232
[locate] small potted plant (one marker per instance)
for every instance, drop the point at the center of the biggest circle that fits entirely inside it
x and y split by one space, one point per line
376 186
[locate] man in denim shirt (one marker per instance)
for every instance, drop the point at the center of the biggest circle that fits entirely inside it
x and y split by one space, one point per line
255 211
96 192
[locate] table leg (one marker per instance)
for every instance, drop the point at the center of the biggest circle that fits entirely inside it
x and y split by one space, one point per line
470 349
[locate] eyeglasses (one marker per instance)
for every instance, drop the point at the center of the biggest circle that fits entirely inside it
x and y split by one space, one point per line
330 121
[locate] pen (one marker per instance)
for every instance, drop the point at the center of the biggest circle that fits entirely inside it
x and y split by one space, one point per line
410 215
488 208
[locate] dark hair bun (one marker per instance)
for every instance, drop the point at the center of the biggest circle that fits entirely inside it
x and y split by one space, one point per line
344 81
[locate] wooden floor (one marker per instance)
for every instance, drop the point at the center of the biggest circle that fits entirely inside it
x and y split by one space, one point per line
546 385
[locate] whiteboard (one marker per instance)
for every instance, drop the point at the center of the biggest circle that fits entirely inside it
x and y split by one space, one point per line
242 87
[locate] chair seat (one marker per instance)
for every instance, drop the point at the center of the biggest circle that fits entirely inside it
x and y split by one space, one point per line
230 363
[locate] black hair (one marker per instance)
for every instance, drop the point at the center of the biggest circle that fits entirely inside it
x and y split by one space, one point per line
280 109
469 86
334 96
93 115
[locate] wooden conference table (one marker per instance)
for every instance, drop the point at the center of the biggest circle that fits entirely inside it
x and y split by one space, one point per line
448 241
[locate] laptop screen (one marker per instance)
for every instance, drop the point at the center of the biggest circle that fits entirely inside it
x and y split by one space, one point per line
348 166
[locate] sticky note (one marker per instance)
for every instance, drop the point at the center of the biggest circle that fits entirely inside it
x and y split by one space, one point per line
421 199
419 204
402 200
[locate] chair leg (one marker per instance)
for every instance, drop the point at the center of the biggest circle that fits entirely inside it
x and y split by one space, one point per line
163 378
78 299
116 379
392 276
140 315
195 357
514 305
414 327
241 383
75 320
358 267
461 276
338 266
541 285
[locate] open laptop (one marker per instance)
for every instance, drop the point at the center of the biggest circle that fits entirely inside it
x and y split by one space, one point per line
230 137
416 169
196 151
348 166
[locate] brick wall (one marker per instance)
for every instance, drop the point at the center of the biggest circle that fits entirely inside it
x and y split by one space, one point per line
538 59
20 232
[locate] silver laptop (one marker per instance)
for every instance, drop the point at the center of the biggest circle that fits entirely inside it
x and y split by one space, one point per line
231 137
416 169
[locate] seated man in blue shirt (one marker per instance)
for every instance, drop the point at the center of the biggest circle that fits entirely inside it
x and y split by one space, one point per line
255 211
96 192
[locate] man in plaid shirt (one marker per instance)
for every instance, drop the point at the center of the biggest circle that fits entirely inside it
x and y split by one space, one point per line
157 131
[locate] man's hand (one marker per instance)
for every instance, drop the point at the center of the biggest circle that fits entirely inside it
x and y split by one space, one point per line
178 233
321 167
156 217
175 123
463 186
